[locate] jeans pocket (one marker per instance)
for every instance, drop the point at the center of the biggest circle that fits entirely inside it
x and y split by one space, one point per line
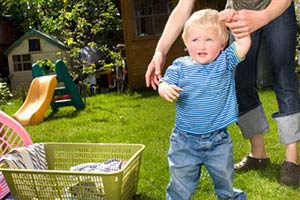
178 140
222 138
174 137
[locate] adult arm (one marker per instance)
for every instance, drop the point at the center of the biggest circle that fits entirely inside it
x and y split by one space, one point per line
171 31
246 21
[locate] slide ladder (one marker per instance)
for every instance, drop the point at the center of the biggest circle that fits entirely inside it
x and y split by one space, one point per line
67 95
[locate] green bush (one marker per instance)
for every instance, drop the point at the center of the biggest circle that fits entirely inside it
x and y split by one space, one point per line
5 94
297 5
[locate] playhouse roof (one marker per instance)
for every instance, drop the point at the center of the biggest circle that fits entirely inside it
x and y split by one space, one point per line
34 32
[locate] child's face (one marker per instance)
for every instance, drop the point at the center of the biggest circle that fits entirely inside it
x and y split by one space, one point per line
204 46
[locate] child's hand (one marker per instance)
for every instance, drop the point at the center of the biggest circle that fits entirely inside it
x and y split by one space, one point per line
227 15
169 92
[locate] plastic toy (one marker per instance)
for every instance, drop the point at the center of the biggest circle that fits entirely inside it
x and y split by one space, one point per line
43 92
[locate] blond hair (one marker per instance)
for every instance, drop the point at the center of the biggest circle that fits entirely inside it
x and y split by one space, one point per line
206 19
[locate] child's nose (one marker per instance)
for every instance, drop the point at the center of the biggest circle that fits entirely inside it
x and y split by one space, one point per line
201 45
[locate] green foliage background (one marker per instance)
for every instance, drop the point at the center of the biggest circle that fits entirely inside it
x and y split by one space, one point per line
297 5
78 23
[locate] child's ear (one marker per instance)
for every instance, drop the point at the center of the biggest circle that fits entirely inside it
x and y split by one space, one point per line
223 46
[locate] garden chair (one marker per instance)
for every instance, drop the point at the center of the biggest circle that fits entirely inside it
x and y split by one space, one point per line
12 134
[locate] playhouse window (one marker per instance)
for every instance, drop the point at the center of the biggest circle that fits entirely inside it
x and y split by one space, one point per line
34 44
21 62
151 16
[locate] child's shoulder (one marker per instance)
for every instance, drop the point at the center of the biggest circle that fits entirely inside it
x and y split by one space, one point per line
231 46
184 60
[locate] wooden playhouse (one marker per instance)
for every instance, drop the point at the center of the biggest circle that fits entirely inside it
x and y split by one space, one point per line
34 45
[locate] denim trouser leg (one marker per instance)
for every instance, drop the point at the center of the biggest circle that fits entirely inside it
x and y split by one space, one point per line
256 116
288 128
280 37
188 153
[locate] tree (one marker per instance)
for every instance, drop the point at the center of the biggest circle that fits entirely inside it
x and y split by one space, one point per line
77 23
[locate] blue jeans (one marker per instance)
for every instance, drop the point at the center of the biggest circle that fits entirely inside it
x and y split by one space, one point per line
280 36
189 152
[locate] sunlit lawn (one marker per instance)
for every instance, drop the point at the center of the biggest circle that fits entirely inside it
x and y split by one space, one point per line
143 117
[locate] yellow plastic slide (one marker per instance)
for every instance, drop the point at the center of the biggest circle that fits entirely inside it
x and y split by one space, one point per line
37 101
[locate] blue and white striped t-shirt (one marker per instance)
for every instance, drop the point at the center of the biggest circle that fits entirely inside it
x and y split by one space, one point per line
208 101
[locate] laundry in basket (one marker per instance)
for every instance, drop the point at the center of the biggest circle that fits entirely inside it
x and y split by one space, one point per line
94 189
57 181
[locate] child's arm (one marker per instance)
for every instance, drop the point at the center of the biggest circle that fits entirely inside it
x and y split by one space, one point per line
169 92
242 45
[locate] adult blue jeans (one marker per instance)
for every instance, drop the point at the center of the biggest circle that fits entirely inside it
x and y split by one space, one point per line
280 38
189 152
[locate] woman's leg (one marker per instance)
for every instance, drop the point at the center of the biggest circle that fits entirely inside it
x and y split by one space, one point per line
281 38
252 123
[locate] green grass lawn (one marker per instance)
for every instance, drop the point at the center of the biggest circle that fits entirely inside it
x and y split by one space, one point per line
143 117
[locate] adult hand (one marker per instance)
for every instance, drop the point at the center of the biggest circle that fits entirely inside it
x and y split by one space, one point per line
245 22
154 71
